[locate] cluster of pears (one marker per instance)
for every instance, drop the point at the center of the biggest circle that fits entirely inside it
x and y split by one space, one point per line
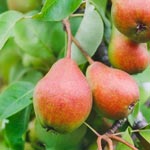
131 30
63 97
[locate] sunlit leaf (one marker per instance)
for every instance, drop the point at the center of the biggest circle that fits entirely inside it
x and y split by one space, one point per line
16 128
145 134
56 10
143 76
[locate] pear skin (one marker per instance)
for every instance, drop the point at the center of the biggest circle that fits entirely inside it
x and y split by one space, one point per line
63 99
115 92
127 55
132 18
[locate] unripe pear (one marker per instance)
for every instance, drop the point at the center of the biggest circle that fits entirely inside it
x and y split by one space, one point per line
127 55
115 92
132 18
24 5
63 99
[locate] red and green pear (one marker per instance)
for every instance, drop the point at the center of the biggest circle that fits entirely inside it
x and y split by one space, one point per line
115 92
63 98
126 54
132 18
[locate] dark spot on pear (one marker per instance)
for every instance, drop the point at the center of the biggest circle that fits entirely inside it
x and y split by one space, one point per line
131 106
140 27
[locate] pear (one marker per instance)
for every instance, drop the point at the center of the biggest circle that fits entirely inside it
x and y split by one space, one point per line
127 55
62 99
24 5
115 92
132 18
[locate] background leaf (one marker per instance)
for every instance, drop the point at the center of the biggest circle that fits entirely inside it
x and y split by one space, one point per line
145 134
145 99
7 21
56 141
132 117
32 36
56 10
143 76
126 136
16 128
101 6
20 73
89 34
9 56
3 5
15 98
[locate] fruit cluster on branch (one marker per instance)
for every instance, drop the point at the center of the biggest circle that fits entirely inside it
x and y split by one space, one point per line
63 98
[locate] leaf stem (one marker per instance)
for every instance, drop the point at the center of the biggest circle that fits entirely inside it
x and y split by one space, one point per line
109 141
69 34
99 143
100 137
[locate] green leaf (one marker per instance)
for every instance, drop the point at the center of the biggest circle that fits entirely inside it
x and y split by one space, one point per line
20 73
132 117
56 37
16 128
144 99
145 110
7 22
32 76
15 98
144 92
8 58
89 34
143 76
75 23
17 72
145 134
58 141
56 10
3 5
33 37
126 136
101 6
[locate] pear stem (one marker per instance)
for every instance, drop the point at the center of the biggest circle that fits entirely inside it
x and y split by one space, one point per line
70 39
100 137
69 34
86 55
107 137
114 137
93 130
